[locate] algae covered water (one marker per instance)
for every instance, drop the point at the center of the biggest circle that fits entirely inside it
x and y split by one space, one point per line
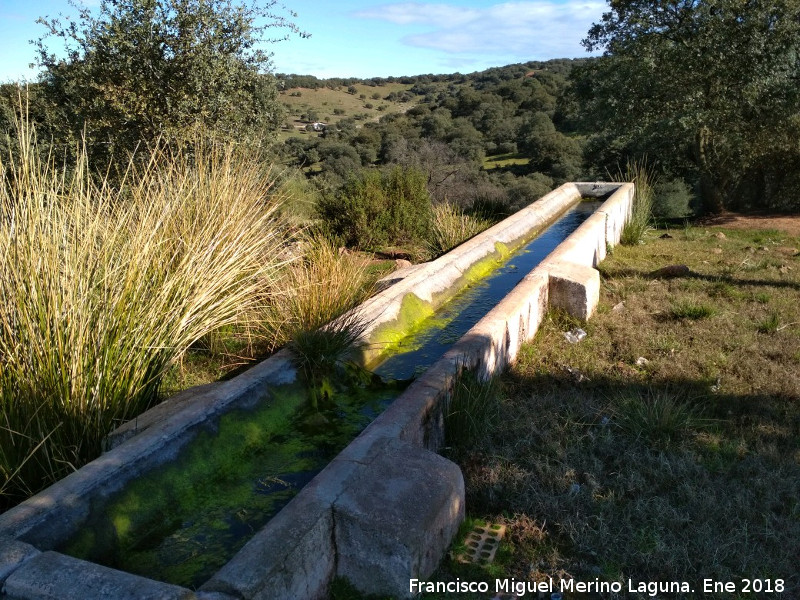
181 523
432 338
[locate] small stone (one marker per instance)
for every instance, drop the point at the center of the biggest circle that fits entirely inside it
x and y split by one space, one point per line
402 263
671 271
641 361
719 235
619 307
574 336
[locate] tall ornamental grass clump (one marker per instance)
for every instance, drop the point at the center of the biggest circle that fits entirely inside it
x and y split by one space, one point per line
641 218
452 226
102 287
315 307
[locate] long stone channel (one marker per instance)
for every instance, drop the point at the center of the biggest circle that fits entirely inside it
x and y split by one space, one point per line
386 508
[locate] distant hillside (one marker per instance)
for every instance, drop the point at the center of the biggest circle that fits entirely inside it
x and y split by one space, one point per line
309 99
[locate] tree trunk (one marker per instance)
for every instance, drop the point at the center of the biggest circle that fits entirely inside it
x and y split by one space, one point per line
710 192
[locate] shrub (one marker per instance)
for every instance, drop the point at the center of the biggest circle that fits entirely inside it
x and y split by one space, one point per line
671 199
376 208
101 289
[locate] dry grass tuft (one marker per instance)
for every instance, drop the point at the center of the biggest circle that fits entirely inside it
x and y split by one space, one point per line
452 226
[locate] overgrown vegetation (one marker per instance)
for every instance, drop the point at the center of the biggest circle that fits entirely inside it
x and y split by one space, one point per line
313 311
641 217
102 288
658 90
375 209
452 226
656 449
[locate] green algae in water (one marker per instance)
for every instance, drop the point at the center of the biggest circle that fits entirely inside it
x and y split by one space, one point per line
489 281
417 318
182 522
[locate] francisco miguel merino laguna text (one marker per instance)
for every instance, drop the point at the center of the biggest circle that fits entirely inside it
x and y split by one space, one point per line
520 588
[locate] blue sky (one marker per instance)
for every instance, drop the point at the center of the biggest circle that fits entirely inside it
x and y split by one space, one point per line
368 38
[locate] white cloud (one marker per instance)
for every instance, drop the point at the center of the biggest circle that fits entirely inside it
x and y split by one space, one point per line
533 29
407 13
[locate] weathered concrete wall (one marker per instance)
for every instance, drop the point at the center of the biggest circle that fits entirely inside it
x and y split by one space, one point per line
386 507
436 281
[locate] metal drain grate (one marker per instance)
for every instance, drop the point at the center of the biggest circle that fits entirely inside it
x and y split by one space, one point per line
482 543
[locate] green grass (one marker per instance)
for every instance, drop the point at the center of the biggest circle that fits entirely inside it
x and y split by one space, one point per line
641 218
471 413
770 324
679 468
690 308
500 161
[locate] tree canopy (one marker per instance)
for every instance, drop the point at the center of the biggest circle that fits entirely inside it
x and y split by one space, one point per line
708 88
138 70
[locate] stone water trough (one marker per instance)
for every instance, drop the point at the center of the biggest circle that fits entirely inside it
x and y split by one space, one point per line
388 506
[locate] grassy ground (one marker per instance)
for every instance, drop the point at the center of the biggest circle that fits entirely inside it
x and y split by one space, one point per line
331 106
666 445
500 161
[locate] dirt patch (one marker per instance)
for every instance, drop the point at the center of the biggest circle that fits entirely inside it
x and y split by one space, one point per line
787 223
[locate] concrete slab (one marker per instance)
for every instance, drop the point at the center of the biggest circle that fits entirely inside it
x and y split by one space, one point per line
398 521
575 289
54 576
12 555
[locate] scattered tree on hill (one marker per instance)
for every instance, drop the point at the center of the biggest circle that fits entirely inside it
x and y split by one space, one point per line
139 70
709 89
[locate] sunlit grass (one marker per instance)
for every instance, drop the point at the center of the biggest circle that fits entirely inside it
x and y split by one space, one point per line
452 226
641 218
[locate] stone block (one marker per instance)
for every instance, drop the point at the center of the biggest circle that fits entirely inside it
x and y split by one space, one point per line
397 522
54 576
12 555
575 289
291 557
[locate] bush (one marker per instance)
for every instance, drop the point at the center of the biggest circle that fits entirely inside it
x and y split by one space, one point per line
671 199
102 289
374 209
